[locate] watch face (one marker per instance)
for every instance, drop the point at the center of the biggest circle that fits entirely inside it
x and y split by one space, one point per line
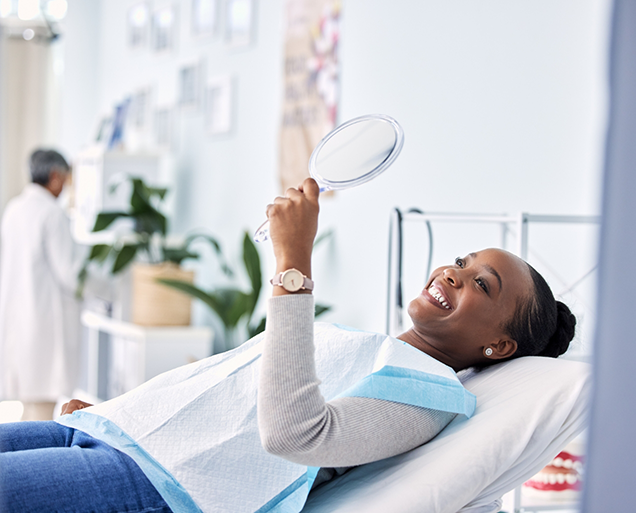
292 280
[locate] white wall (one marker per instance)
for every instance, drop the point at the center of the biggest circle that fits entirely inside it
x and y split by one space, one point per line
502 104
81 75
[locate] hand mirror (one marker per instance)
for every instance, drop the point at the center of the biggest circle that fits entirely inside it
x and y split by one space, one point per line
352 154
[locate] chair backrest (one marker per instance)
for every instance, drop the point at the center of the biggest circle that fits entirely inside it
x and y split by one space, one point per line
528 409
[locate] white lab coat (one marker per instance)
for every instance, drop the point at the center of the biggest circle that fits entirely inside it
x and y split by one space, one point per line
39 315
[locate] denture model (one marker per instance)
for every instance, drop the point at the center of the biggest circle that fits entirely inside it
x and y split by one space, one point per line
561 480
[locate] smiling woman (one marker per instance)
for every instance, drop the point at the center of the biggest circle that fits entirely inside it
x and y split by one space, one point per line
260 427
488 307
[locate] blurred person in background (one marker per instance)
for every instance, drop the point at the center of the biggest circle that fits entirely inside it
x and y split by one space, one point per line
39 314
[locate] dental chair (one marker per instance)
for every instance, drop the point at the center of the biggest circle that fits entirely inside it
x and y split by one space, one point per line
528 409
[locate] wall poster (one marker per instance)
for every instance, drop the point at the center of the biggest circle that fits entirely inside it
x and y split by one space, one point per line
311 83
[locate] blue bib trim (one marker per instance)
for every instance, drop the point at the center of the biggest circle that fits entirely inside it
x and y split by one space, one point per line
103 429
290 500
409 386
390 383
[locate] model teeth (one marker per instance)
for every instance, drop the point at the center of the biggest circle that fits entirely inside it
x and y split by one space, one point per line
438 295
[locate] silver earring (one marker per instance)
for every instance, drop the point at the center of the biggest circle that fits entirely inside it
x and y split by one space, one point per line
488 351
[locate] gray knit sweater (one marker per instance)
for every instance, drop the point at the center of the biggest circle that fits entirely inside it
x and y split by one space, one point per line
297 424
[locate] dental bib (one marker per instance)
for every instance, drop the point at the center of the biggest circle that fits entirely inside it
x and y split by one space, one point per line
194 432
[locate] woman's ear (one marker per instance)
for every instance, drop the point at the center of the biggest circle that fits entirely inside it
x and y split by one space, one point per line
503 348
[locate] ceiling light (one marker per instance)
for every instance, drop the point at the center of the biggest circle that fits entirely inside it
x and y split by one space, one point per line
57 8
28 9
6 7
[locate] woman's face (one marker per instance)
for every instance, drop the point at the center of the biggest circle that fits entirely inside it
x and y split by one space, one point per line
464 306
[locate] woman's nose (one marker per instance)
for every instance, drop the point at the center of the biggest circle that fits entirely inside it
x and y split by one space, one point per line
451 277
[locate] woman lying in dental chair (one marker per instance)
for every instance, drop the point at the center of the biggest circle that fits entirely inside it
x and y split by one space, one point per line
258 428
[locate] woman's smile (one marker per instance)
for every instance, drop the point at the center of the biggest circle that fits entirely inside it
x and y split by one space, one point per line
436 294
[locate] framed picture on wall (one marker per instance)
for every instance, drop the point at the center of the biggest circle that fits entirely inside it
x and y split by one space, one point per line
189 84
164 28
140 108
239 22
204 18
138 24
218 105
138 131
164 120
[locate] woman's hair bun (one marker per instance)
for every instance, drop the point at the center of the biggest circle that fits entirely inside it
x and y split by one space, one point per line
563 334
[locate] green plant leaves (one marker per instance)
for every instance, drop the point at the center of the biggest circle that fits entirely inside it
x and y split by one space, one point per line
125 255
229 304
177 255
142 195
235 304
215 245
321 309
252 262
252 331
322 237
150 222
105 219
188 288
99 252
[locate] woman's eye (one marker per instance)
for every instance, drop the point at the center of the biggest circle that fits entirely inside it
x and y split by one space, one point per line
482 284
459 262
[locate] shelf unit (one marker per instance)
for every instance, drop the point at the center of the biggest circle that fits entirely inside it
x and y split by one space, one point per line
95 171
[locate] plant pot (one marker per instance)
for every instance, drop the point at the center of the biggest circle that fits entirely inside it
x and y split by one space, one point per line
154 304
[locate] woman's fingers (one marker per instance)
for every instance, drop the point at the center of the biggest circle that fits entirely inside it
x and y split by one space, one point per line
292 193
310 188
73 405
307 190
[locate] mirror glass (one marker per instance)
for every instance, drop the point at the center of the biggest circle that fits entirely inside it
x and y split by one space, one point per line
355 152
352 154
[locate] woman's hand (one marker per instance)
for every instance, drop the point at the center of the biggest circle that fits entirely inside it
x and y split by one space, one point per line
73 405
293 224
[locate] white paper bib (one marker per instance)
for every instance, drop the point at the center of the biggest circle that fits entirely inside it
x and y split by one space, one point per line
194 431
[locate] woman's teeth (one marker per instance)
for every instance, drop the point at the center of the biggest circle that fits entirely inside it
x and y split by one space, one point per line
438 295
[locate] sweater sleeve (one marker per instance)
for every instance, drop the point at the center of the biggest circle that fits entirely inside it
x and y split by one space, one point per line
297 424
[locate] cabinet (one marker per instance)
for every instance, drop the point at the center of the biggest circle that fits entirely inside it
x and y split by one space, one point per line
139 353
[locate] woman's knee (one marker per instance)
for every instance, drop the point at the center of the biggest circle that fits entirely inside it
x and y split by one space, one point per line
23 436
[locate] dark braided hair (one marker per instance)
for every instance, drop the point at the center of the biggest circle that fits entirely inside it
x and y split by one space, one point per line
541 326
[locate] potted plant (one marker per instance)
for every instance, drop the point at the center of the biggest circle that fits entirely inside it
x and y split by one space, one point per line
234 306
153 304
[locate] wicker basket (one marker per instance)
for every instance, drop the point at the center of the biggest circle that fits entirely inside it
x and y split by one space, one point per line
154 304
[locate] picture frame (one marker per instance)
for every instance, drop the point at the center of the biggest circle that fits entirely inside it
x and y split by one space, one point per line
138 23
218 105
141 109
205 18
164 28
139 136
240 15
163 126
189 84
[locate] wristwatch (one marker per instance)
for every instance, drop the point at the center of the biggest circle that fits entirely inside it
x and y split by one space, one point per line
292 280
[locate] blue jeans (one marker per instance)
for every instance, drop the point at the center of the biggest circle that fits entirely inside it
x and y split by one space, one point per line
46 467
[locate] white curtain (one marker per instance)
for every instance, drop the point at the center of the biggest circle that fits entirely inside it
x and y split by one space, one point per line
29 102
